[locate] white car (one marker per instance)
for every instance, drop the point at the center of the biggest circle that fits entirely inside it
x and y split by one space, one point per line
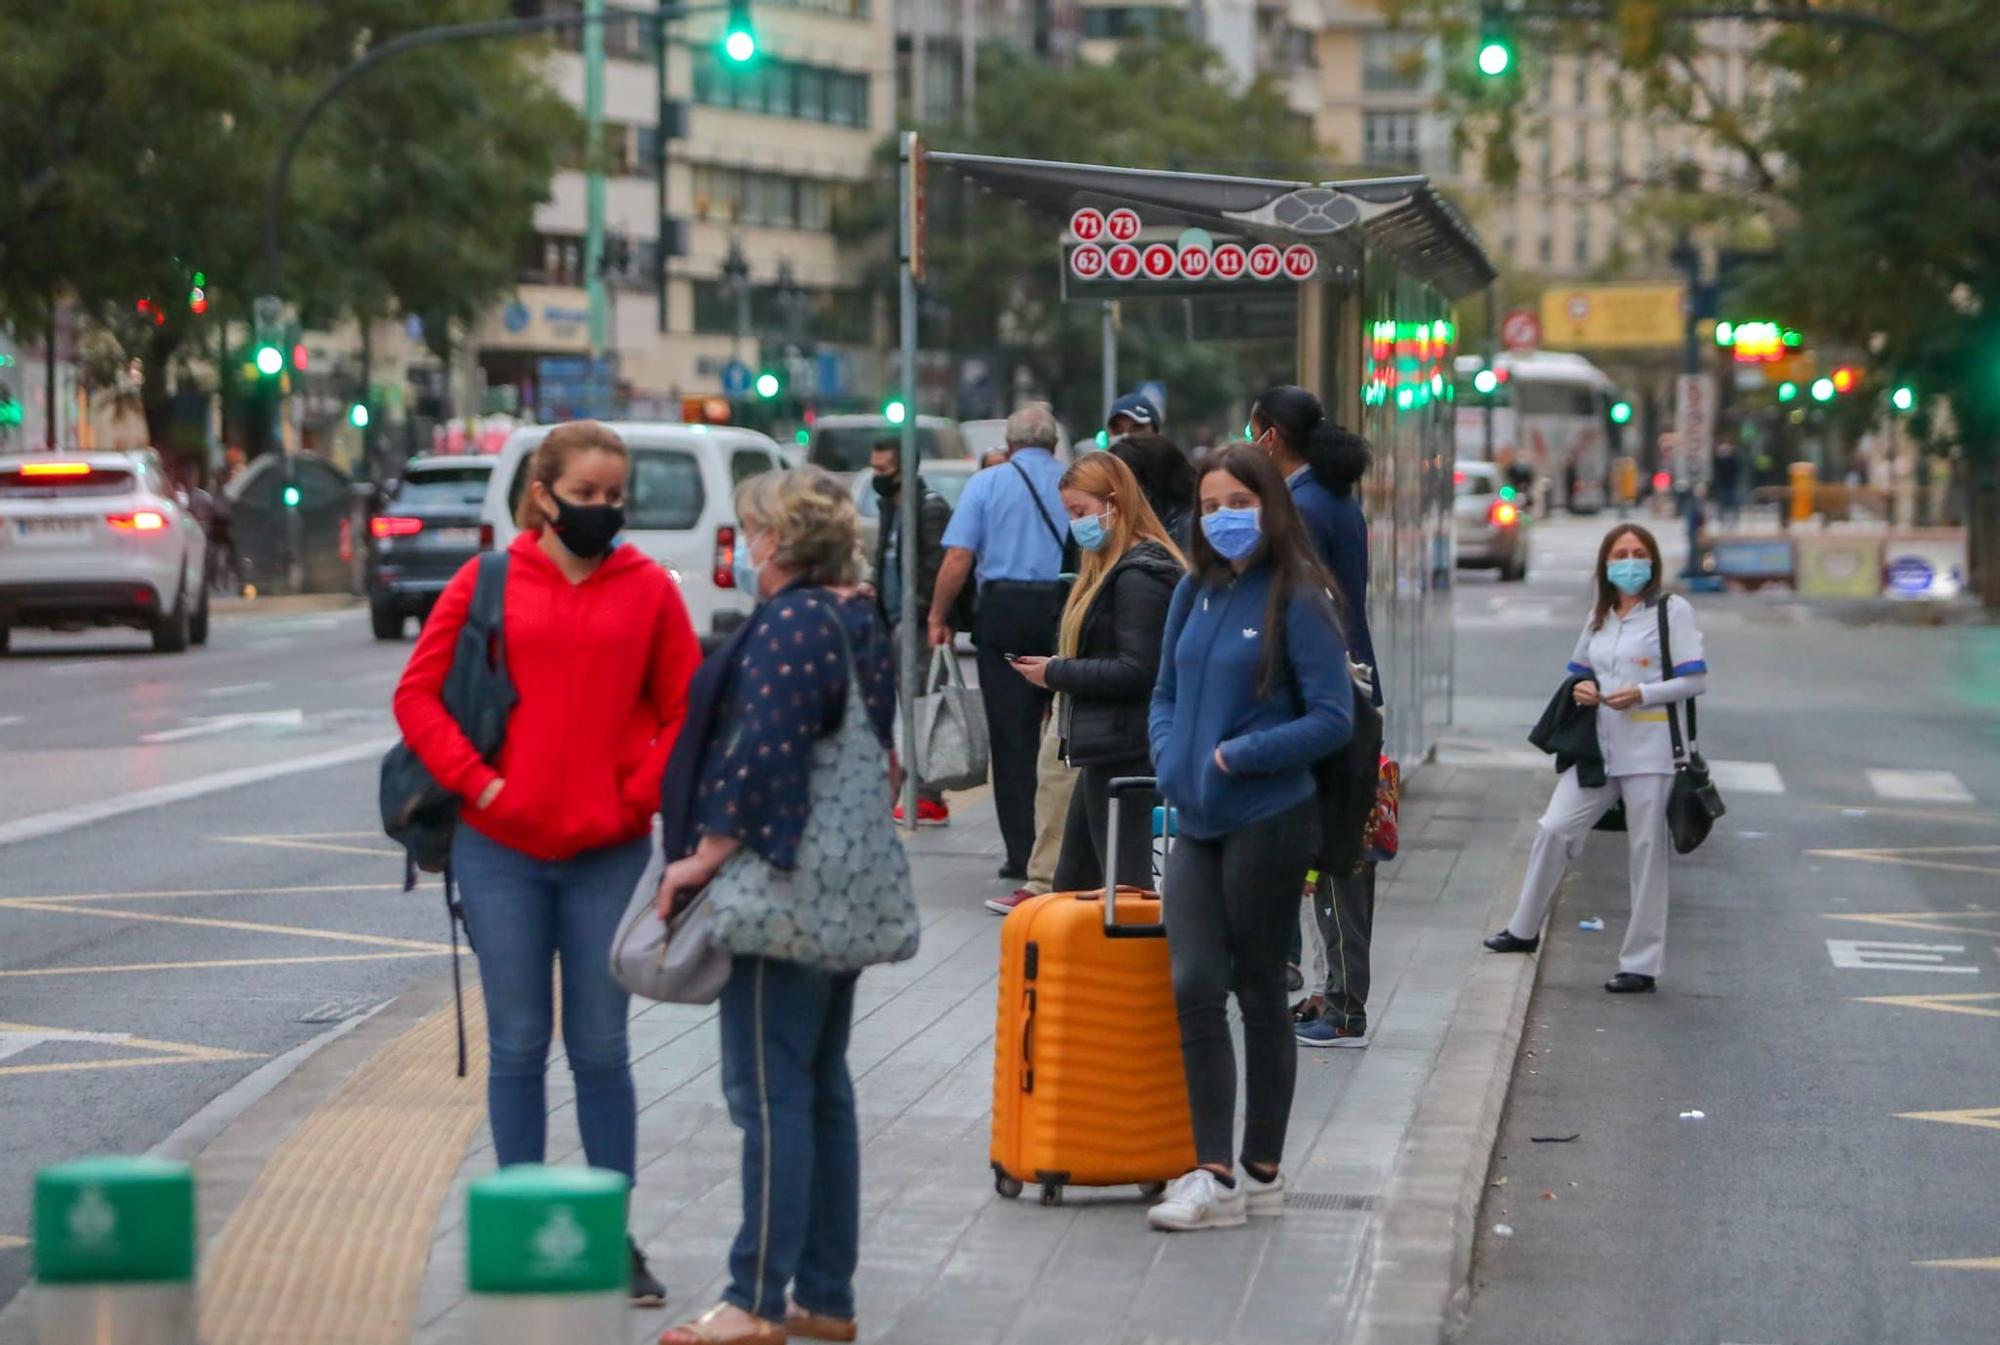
990 436
679 508
100 539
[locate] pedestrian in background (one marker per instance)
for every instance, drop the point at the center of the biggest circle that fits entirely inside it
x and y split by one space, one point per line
780 686
600 650
1166 474
933 515
1004 533
1133 413
1323 464
1616 670
1108 658
1253 689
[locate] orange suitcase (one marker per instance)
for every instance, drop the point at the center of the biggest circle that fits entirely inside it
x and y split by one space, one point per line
1088 1088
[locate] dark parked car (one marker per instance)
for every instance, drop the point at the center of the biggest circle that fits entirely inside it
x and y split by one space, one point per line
424 531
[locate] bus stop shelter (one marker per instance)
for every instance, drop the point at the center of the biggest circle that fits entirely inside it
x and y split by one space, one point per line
1365 274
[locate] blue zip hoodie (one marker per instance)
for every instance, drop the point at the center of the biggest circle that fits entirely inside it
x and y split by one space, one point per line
1207 696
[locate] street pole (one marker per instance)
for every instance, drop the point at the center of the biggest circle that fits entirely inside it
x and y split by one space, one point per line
49 381
1492 359
663 118
1108 339
593 228
915 625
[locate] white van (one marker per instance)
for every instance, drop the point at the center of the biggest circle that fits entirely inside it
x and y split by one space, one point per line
678 509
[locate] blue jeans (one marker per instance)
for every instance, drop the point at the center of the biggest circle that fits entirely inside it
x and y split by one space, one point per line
524 913
784 1072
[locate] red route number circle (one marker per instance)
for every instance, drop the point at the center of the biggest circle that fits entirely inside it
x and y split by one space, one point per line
1230 260
1266 261
1123 261
1086 261
1087 225
1159 261
1300 261
1122 224
1194 263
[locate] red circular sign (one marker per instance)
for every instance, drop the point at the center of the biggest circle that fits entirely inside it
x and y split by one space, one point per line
1300 262
1521 330
1266 261
1123 224
1229 261
1159 261
1123 261
1087 225
1087 261
1194 262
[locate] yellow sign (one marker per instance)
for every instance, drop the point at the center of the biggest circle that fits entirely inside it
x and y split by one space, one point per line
1613 317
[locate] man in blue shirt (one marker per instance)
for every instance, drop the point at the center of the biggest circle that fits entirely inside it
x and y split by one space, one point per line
1007 532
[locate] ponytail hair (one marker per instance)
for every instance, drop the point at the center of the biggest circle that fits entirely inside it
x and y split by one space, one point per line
1337 457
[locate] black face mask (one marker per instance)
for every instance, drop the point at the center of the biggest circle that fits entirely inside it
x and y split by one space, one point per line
887 486
586 530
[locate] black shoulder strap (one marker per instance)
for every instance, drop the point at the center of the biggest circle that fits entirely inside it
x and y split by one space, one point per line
1666 674
1055 533
489 606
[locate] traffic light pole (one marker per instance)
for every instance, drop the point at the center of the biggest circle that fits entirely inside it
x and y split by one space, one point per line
915 624
593 150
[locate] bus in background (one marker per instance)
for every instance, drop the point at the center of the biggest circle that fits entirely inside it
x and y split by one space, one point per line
1551 419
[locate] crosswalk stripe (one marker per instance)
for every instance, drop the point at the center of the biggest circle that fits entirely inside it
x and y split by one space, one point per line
1747 777
1918 786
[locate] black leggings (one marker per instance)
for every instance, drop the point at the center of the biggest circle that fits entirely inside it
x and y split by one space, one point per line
1231 904
1080 866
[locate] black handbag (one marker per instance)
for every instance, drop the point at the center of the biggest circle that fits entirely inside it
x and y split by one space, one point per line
1694 804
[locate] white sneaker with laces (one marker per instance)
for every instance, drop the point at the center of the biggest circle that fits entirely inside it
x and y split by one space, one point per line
1265 1200
1196 1200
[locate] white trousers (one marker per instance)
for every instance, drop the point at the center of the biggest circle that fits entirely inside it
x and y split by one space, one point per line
1571 813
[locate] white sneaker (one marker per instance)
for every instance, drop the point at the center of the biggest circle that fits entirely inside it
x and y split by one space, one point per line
1266 1200
1196 1200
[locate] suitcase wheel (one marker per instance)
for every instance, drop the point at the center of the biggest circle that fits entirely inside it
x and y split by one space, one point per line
1052 1193
1009 1187
1152 1190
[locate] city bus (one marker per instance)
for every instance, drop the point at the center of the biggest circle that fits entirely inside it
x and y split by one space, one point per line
1551 416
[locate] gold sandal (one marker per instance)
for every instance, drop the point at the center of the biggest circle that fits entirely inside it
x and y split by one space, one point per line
806 1325
702 1330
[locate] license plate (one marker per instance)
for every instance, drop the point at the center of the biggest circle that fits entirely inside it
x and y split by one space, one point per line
39 530
458 536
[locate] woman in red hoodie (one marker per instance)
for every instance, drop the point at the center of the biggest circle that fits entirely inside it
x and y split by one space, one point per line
556 831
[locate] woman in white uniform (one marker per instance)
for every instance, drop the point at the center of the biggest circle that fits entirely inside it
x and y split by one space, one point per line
1617 664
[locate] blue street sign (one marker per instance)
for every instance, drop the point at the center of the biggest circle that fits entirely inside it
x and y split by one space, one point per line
735 378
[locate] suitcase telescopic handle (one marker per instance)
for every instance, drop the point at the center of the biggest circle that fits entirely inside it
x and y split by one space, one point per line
1115 792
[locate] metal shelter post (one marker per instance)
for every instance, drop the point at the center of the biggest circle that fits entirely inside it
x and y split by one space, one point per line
1109 342
915 625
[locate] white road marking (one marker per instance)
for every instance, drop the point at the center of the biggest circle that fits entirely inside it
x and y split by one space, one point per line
82 665
1747 777
1870 954
83 814
238 689
9 721
1918 786
207 726
14 1043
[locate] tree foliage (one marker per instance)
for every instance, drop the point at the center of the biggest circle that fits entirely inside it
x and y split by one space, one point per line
136 140
995 282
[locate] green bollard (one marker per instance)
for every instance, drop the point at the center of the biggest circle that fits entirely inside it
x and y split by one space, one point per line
114 1253
546 1256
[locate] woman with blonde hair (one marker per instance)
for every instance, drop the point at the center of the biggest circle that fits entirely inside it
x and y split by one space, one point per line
1108 655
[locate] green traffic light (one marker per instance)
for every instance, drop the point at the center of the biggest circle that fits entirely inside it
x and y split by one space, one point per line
270 360
767 385
739 39
1508 493
1822 390
1496 58
1725 333
802 437
1621 413
1788 391
895 412
1485 381
1904 398
291 497
357 415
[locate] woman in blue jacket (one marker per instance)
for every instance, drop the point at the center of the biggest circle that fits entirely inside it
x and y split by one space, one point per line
1253 690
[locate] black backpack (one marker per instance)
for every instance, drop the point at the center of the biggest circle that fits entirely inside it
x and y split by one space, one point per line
1347 781
420 814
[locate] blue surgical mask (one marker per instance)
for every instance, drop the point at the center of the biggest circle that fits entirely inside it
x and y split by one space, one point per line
1090 532
1234 533
745 568
1629 576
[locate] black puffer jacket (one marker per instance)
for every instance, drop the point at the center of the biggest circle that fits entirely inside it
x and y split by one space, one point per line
1108 686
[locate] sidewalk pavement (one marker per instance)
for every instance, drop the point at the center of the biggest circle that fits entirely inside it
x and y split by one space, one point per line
1388 1153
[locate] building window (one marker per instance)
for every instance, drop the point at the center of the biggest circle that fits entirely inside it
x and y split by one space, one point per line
1580 157
1545 246
1392 62
1545 155
785 89
1617 152
821 315
1390 138
762 200
1580 91
1116 21
1580 238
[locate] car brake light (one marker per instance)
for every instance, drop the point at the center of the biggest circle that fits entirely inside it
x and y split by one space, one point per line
724 575
384 525
486 537
140 520
55 469
1505 515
